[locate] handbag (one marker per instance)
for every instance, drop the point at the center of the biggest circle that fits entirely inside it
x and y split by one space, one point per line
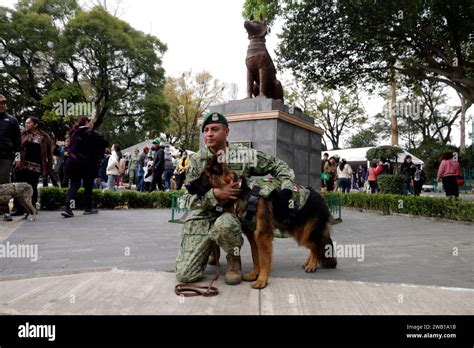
459 177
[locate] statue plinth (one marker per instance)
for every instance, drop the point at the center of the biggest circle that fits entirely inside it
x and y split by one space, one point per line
279 130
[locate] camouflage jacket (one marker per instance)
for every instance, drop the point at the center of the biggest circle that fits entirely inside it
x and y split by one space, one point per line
245 163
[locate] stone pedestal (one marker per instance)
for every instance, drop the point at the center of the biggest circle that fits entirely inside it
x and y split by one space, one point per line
277 129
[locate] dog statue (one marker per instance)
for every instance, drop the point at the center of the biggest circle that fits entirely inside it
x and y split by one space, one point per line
261 73
23 192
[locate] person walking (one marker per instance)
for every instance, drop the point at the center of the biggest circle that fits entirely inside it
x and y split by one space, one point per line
344 175
158 166
419 179
374 172
85 152
140 173
113 166
408 169
448 171
169 168
181 169
36 159
10 147
331 169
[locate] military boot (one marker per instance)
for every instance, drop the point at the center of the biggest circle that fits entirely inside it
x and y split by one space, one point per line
233 275
214 255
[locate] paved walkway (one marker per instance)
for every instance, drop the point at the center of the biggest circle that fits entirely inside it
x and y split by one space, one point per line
122 262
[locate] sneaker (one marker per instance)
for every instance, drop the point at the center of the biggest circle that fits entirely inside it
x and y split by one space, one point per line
6 217
91 211
67 213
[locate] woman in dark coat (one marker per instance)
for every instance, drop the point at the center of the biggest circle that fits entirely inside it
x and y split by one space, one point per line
36 159
86 149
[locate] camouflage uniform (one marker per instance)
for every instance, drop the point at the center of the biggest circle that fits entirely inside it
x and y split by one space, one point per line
204 224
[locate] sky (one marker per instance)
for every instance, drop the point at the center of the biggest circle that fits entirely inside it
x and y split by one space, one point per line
209 35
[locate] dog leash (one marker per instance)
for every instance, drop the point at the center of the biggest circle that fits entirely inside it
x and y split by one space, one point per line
190 290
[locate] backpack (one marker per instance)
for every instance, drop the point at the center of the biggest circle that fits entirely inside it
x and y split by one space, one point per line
418 175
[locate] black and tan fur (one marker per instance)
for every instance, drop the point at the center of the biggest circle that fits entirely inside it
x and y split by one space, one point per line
311 226
23 192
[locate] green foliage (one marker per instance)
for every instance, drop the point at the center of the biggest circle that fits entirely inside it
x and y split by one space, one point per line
437 207
391 183
189 95
342 42
269 9
384 152
334 111
52 50
52 198
364 138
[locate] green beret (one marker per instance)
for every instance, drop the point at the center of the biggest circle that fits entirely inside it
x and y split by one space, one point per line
156 141
213 117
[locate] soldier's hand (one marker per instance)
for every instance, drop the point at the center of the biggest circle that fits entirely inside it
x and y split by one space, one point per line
227 192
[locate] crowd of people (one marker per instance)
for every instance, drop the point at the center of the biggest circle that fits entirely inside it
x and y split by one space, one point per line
83 158
338 174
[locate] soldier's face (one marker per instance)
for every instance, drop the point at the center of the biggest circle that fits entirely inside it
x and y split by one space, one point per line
215 135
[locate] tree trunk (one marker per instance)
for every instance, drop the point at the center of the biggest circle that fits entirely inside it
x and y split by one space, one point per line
393 108
465 104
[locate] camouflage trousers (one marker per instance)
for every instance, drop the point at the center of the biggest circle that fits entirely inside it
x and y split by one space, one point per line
196 239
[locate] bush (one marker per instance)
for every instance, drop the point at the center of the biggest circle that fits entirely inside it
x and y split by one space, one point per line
438 207
53 198
391 183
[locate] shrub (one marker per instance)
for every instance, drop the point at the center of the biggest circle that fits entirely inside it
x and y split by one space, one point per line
53 198
438 207
391 183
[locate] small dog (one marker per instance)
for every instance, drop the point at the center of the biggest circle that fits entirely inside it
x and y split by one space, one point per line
310 226
23 192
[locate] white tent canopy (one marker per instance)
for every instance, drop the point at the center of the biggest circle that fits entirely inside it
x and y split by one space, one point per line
140 146
359 155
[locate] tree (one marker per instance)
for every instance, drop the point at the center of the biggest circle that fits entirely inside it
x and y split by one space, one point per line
364 138
52 50
27 68
333 111
423 114
340 42
189 97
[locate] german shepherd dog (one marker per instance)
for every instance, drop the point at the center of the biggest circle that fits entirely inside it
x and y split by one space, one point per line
23 192
310 228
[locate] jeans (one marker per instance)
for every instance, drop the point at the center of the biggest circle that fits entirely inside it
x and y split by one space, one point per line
111 182
140 183
5 166
157 179
451 186
168 174
75 186
345 185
